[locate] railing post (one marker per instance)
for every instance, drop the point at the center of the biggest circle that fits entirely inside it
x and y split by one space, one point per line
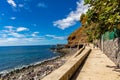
102 44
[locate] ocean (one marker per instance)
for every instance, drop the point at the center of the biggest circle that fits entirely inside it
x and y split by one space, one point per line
12 57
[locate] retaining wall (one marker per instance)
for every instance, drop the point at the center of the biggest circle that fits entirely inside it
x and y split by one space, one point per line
112 49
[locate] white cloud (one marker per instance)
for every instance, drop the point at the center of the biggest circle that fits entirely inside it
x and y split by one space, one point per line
72 17
35 34
3 35
10 29
13 18
34 39
17 35
21 5
12 3
20 41
11 36
41 5
57 37
22 29
4 40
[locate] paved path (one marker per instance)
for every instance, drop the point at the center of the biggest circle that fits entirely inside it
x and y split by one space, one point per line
97 67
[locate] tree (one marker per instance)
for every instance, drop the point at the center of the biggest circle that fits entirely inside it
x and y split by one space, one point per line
104 15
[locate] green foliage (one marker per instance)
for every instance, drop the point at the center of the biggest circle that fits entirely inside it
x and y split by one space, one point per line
104 15
87 1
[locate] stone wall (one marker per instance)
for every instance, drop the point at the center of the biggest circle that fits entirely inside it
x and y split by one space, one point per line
112 49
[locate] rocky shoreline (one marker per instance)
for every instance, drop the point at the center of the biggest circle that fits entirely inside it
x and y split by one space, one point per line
40 70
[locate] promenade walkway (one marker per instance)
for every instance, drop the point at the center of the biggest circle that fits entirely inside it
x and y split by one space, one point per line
97 67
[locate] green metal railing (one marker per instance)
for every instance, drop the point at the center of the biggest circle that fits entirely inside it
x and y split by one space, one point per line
110 35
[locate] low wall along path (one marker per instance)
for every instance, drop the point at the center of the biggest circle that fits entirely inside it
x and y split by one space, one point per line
68 69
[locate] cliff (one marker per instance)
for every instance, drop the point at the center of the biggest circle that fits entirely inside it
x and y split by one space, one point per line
78 36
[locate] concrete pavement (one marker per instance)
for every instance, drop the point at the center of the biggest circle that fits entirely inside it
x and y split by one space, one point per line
97 67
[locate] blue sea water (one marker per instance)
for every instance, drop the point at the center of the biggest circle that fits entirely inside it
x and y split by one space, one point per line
15 56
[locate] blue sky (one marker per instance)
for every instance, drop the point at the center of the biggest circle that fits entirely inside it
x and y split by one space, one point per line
38 22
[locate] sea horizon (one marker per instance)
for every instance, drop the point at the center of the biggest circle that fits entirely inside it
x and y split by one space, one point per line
27 45
17 57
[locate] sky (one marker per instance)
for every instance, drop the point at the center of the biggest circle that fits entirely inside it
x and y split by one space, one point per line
39 22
